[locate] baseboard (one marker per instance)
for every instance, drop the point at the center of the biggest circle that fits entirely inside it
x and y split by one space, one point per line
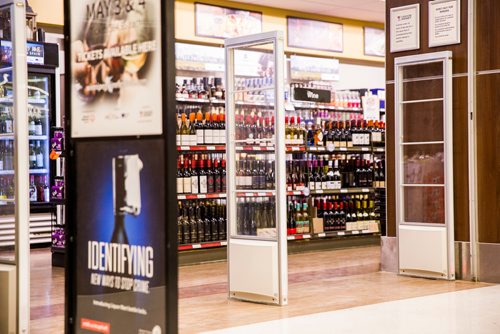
389 254
489 262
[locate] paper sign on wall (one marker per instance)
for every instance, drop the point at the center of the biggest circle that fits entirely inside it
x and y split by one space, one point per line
444 22
405 28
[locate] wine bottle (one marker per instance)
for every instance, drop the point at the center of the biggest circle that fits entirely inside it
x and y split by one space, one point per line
210 177
187 178
202 177
180 177
195 177
39 155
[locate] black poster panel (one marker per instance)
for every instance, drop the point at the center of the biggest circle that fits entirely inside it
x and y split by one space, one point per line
121 255
120 233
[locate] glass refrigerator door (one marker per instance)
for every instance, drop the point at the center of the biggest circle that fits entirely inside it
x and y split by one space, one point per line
39 90
256 169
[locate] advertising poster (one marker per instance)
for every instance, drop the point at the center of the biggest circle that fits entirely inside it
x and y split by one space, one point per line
120 237
223 22
405 28
374 42
316 35
116 68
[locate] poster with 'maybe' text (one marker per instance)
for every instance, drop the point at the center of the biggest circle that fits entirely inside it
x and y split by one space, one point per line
116 68
120 237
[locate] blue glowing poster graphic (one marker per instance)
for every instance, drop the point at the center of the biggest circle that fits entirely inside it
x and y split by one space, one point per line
120 237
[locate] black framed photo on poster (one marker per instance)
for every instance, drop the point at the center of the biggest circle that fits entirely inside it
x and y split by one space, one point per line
226 22
315 34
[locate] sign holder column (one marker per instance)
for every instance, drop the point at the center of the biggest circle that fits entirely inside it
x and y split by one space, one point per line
121 264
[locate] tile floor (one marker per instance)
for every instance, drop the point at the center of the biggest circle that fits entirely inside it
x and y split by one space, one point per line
462 312
337 284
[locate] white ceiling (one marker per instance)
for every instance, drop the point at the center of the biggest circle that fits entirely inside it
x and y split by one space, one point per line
365 10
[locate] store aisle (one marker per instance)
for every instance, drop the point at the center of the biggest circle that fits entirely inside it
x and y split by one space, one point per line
319 282
470 311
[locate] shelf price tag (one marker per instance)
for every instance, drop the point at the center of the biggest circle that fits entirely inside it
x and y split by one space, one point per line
355 232
341 233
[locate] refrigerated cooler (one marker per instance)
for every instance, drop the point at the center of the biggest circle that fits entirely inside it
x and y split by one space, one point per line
43 115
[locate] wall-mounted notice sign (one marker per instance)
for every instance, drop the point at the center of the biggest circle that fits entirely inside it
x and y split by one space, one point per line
312 68
405 28
444 22
116 68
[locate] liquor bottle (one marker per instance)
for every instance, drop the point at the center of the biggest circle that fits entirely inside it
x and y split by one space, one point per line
193 224
222 221
305 218
216 173
208 129
222 126
255 181
2 152
202 177
31 125
192 129
180 177
299 229
270 175
214 222
180 239
178 141
223 176
210 177
348 134
291 219
381 166
9 157
195 177
186 227
39 155
215 128
32 156
187 178
248 175
184 131
9 122
33 190
38 126
198 126
200 223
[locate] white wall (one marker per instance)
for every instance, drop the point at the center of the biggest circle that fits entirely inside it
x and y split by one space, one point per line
360 76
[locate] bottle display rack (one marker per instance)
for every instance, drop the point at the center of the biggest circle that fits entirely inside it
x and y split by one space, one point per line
335 164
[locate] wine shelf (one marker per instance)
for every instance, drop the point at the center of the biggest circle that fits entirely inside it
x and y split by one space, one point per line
31 137
204 101
32 171
329 234
201 196
210 244
212 148
214 244
263 104
9 100
250 193
330 191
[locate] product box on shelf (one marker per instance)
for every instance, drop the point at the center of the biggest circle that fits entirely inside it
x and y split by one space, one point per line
317 224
